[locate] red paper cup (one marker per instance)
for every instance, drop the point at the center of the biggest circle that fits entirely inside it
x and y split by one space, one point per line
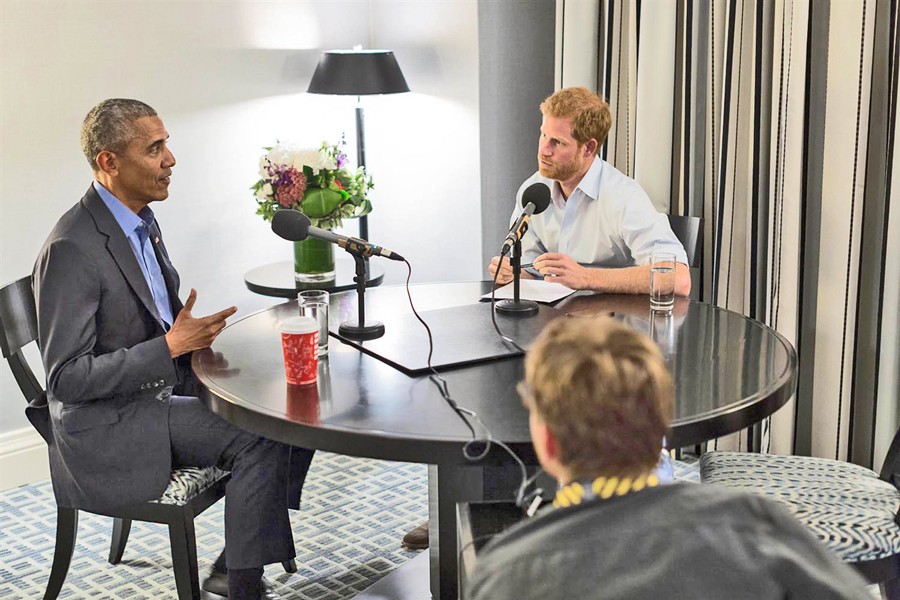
300 343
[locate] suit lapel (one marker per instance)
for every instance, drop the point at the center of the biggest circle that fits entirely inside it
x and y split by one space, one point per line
121 251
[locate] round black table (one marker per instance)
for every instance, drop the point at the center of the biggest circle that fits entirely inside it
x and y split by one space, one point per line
277 279
730 372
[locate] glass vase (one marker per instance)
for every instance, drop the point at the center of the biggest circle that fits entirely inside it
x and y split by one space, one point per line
313 261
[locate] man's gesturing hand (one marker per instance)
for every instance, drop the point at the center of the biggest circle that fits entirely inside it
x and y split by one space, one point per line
189 333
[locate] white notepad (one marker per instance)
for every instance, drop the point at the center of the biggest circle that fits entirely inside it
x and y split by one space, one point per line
539 290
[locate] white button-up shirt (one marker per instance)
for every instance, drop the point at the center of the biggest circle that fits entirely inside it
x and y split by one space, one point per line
608 221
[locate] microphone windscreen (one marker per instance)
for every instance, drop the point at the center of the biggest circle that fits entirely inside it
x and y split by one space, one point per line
539 195
290 224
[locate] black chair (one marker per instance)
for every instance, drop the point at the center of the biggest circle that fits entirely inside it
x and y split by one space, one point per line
190 491
689 231
851 509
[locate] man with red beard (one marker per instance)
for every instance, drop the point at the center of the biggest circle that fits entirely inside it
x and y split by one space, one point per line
600 228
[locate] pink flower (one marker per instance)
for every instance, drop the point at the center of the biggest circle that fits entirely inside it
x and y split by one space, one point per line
290 187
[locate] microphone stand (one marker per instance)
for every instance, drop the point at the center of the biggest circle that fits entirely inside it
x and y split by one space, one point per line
359 330
517 307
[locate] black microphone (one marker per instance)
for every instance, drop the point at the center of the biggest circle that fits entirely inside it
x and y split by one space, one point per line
535 200
294 226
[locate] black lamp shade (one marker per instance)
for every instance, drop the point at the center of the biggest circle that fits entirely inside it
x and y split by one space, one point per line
357 73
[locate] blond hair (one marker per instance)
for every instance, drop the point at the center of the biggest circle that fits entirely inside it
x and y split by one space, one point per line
590 115
605 393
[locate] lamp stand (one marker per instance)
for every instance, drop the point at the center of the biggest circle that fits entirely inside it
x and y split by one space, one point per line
361 160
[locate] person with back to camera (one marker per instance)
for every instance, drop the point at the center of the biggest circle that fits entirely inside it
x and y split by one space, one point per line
116 343
600 228
600 399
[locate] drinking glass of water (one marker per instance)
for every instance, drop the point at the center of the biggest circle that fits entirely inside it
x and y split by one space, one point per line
662 281
314 303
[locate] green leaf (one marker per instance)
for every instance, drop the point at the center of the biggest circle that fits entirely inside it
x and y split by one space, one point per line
364 208
265 210
318 203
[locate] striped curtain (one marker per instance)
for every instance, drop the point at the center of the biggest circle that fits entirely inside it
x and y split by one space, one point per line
775 122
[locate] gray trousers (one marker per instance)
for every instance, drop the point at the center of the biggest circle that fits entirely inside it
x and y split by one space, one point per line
257 527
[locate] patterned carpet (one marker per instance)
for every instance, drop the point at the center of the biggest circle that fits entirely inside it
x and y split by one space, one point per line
347 533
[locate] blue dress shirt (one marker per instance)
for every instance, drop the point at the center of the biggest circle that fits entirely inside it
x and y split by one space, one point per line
608 221
137 229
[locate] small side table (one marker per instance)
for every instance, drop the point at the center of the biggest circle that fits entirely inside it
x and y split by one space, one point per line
277 279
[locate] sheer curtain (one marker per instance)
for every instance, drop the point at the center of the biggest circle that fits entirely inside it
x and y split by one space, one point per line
775 122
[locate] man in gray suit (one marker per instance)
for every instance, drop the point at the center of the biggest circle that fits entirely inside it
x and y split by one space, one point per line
116 343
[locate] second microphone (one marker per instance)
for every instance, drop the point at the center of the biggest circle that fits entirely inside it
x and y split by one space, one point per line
294 226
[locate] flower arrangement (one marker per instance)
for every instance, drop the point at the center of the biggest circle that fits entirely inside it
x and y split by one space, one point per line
316 182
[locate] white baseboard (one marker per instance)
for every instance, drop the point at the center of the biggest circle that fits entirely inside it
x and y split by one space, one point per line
23 458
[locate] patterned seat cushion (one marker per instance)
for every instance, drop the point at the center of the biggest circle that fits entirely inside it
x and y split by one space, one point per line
188 482
846 506
686 471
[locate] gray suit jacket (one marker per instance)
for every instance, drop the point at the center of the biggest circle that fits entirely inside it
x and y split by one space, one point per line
675 541
109 373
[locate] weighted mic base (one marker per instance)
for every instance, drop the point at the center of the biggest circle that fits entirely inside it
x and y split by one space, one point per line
517 308
370 331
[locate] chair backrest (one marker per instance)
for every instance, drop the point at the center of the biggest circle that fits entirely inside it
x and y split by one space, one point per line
18 328
890 470
689 231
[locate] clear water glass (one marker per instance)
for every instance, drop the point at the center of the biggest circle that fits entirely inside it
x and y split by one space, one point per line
314 303
662 281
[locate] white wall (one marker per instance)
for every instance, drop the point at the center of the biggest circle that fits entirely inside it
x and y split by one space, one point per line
228 78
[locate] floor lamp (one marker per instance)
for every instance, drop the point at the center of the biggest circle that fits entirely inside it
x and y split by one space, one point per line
358 73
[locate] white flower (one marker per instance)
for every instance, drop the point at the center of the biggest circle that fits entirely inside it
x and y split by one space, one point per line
312 158
289 154
265 192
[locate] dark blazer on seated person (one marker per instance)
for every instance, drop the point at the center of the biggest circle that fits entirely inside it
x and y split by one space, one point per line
109 372
683 541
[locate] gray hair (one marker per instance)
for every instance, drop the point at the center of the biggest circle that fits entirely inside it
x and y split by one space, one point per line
108 126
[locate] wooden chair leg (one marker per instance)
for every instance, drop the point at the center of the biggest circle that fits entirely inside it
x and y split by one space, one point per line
184 557
290 566
121 529
66 531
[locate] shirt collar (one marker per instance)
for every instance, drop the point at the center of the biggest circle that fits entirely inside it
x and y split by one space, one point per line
127 220
588 185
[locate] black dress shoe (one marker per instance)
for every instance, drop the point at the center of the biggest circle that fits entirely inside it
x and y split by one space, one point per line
417 539
216 583
266 592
